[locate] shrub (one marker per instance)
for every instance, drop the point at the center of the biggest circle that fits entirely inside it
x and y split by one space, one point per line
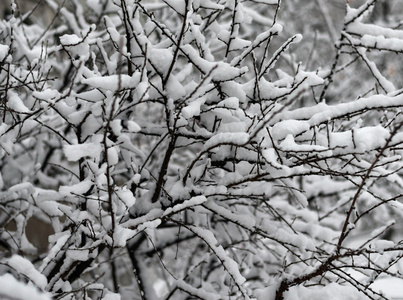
184 149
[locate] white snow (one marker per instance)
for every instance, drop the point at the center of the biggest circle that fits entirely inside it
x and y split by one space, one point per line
194 201
231 102
193 109
380 42
76 152
15 103
359 28
60 240
232 127
142 90
70 39
267 293
239 44
149 225
362 139
25 267
23 186
78 254
3 51
116 126
47 95
355 14
126 196
79 188
153 214
281 129
271 157
115 35
392 288
271 2
11 288
113 82
209 4
77 117
322 113
312 78
51 208
316 231
174 88
75 44
133 126
289 144
225 71
161 59
113 156
111 296
227 138
380 245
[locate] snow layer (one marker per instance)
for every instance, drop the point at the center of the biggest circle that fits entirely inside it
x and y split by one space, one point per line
380 42
25 267
113 82
75 44
392 288
76 152
359 28
322 112
227 138
3 51
161 59
133 126
283 128
11 288
79 188
290 145
362 139
15 103
186 204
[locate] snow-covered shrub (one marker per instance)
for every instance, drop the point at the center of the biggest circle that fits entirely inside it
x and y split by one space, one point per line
184 149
